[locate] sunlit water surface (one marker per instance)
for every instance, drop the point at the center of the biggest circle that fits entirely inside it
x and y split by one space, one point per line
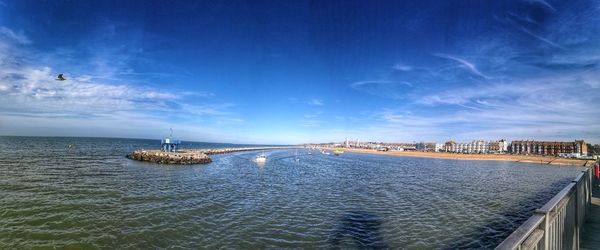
90 195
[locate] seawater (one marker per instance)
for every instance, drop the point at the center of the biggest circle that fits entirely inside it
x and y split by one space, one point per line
90 196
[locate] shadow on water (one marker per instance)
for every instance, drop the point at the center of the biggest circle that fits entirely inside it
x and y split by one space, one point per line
494 232
360 228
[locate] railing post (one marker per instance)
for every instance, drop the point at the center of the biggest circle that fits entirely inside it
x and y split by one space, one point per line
590 187
555 218
576 224
545 226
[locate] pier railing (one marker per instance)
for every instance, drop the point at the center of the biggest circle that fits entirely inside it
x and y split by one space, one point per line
558 224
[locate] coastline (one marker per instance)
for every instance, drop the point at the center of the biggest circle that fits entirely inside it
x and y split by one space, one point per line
479 157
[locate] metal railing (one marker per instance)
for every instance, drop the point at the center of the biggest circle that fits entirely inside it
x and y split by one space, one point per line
558 224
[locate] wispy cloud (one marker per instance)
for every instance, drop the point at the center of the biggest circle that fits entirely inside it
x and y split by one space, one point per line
315 102
543 3
366 83
383 88
311 120
530 121
528 70
402 67
35 90
18 37
32 100
546 41
463 63
548 107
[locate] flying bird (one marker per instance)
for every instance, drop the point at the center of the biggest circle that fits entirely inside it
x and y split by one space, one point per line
60 77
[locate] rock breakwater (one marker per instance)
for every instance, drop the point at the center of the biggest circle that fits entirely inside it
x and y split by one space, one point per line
176 158
187 157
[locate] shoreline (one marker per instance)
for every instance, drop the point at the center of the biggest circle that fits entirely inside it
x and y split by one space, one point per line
549 160
201 156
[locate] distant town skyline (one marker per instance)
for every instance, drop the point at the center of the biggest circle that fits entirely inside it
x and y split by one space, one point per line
291 72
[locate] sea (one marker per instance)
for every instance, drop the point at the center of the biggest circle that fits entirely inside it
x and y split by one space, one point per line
83 193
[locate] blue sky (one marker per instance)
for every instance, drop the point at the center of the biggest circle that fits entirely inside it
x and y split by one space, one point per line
295 71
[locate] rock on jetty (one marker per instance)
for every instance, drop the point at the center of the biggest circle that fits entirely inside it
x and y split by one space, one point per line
178 158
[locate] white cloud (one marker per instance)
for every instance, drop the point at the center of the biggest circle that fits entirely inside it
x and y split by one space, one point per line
395 126
541 108
18 37
373 82
383 88
311 120
543 3
29 89
551 43
464 63
34 103
315 102
402 67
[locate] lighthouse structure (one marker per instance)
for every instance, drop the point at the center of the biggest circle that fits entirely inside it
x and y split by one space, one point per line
169 144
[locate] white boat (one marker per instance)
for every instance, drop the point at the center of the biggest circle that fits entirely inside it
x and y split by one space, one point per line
325 152
261 158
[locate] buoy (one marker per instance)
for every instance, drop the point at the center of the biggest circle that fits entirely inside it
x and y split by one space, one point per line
596 171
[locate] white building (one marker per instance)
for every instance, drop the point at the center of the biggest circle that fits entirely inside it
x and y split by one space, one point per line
474 147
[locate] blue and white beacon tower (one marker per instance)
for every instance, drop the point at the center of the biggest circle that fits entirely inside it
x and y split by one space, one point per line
169 144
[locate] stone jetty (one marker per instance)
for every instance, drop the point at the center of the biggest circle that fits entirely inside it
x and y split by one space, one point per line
178 158
187 157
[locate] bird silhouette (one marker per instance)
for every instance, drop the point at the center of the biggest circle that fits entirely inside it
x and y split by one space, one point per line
60 77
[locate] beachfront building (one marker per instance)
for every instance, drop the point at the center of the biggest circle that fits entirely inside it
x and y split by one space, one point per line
351 144
500 146
476 147
577 148
372 145
480 147
426 146
503 146
450 146
439 147
594 150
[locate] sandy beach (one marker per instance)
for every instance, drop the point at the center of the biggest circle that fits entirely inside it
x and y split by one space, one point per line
483 157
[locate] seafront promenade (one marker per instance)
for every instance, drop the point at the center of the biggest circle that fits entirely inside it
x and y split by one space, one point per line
201 156
484 157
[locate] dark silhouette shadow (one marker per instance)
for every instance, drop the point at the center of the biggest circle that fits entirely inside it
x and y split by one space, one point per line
361 228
